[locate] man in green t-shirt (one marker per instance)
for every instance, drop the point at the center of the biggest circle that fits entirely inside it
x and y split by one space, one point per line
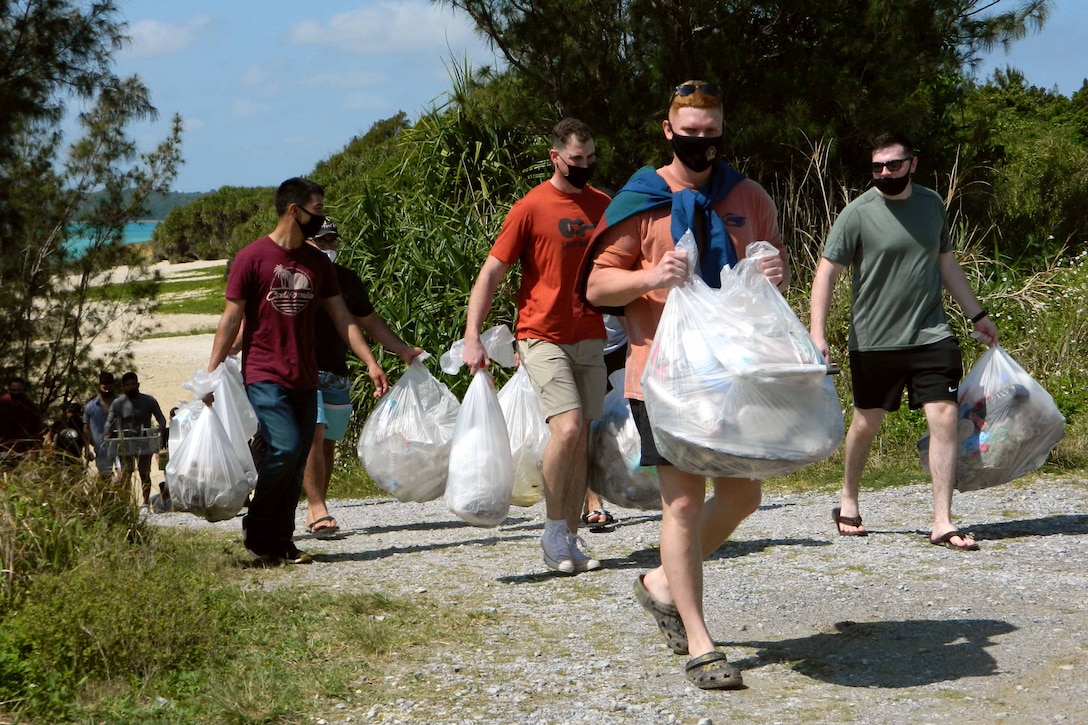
895 238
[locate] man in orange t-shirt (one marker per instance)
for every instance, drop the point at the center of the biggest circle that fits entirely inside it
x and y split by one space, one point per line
547 232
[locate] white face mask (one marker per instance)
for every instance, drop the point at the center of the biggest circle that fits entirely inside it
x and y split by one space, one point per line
330 253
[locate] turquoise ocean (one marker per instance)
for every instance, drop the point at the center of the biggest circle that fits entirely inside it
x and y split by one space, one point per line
135 233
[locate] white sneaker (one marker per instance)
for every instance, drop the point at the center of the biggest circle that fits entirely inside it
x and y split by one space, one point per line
556 549
581 562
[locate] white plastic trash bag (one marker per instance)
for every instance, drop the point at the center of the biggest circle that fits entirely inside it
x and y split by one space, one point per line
181 424
232 405
481 471
734 385
1007 424
498 341
405 443
615 454
205 476
529 435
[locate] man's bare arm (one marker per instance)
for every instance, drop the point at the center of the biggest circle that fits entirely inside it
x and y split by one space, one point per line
226 331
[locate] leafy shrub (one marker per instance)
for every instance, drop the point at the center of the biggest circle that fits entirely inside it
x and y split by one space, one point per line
48 512
123 612
205 228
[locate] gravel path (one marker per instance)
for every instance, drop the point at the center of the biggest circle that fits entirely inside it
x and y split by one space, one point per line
825 629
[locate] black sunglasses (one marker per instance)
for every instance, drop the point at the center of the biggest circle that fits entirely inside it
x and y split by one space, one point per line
893 165
688 88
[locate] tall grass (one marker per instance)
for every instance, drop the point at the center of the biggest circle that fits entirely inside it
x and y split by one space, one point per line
48 513
427 221
107 620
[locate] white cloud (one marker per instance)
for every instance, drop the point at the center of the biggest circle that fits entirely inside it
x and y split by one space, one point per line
349 80
253 76
152 38
389 27
246 108
364 102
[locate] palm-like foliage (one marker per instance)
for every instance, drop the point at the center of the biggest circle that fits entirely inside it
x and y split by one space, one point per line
420 223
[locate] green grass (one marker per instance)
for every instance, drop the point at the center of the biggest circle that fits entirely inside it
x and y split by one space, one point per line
197 293
202 296
349 480
105 619
210 329
179 630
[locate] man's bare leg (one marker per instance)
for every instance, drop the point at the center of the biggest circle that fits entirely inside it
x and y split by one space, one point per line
941 417
691 530
315 480
864 427
564 467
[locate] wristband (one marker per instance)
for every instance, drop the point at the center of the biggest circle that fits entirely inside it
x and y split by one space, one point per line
980 315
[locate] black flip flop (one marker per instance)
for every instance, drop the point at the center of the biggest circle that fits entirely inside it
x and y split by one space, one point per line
599 525
323 531
848 520
946 541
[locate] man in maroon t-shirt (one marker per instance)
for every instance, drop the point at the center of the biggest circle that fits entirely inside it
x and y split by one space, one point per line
275 285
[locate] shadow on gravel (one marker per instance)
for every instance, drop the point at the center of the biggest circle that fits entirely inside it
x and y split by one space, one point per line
394 550
1068 524
436 525
621 521
887 654
737 549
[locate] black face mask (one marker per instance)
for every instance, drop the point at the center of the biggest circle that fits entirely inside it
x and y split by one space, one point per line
697 153
892 185
311 227
579 176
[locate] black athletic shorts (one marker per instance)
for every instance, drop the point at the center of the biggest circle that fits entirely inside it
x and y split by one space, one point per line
928 372
650 454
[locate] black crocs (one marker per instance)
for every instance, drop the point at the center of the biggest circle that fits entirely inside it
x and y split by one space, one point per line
712 671
667 617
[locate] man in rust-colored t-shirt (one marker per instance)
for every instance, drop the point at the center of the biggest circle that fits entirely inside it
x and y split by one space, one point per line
275 285
547 232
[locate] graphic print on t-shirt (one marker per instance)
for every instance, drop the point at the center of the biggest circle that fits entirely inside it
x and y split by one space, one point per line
569 228
292 289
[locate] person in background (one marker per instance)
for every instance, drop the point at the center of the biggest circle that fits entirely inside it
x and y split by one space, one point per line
66 437
632 263
130 417
594 514
275 285
899 336
21 427
547 232
94 414
334 400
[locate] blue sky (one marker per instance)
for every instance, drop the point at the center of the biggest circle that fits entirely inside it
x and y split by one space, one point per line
1057 56
268 88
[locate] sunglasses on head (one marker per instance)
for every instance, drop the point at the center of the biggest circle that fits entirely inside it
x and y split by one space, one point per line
893 165
689 88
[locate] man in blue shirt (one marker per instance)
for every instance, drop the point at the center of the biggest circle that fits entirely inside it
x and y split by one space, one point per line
94 426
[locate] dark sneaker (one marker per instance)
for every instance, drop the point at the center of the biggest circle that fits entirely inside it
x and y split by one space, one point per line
263 558
294 555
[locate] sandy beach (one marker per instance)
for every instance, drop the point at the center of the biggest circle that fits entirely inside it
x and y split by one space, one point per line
181 346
